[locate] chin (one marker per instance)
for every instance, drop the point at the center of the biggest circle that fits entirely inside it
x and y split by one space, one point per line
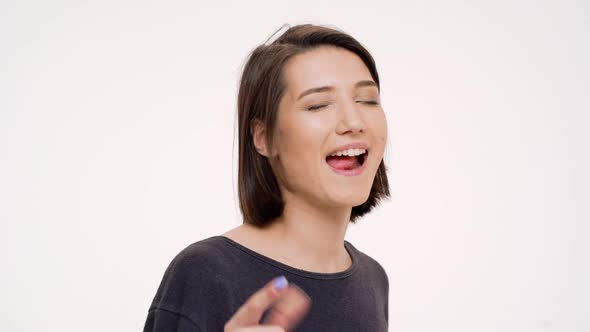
350 198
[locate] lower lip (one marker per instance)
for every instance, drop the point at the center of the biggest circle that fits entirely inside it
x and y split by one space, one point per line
351 172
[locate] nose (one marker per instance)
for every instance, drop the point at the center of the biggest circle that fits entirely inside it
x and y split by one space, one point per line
350 119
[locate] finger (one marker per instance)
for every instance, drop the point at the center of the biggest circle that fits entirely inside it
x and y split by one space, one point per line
290 308
251 311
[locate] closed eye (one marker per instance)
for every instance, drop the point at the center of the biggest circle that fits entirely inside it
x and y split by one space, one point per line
370 102
317 107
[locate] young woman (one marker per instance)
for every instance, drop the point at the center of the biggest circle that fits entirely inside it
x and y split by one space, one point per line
311 139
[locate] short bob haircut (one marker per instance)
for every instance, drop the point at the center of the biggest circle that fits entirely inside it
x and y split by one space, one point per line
261 88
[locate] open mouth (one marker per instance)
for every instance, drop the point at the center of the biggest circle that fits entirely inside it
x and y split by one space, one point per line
346 163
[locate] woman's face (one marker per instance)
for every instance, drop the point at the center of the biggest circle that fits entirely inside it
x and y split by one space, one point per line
312 125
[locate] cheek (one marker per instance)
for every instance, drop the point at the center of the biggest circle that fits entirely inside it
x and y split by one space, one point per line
379 127
384 132
300 140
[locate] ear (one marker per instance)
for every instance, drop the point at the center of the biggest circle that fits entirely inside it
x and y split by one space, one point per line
258 137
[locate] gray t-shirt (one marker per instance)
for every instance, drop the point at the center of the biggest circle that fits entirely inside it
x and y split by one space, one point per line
209 280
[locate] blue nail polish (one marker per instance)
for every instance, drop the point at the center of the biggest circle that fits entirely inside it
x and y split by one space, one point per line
280 282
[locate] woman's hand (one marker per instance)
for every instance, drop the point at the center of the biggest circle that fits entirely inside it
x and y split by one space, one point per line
288 304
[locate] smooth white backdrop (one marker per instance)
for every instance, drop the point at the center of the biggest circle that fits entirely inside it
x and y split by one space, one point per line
116 130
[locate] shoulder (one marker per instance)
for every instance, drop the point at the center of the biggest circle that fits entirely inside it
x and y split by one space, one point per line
195 270
201 256
371 267
194 290
199 260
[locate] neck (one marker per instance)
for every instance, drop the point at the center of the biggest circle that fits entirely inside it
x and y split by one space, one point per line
311 236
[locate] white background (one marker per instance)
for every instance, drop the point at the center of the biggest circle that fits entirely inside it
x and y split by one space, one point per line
116 129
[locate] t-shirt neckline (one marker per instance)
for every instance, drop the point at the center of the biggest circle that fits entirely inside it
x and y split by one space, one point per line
303 273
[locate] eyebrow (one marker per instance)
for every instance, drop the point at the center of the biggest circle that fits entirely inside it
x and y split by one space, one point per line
331 88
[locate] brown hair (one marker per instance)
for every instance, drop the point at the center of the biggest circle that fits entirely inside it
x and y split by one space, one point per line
261 88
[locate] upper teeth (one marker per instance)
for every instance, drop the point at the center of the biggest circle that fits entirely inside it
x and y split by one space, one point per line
349 152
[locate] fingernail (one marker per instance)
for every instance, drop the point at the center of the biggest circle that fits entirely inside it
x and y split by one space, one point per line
280 282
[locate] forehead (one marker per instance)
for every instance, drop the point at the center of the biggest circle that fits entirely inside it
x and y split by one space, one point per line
326 65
